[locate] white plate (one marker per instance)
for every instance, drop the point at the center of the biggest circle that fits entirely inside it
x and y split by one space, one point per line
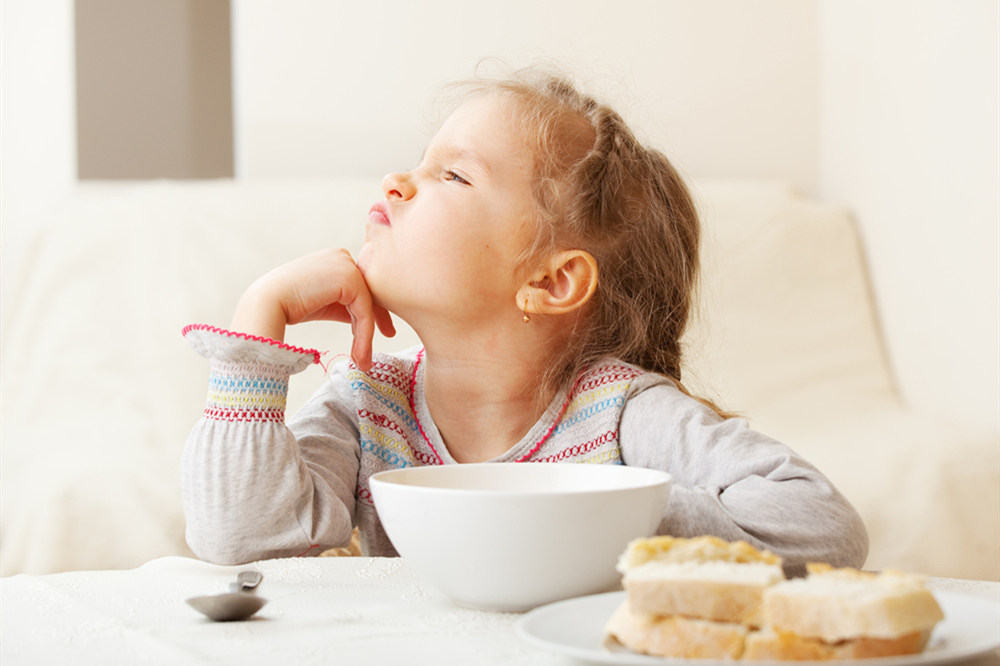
576 628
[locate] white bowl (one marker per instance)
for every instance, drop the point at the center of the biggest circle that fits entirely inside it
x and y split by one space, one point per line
512 536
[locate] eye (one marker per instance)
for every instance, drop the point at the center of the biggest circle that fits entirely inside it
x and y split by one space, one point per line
451 175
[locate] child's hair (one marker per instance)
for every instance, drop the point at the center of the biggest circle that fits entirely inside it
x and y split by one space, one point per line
598 188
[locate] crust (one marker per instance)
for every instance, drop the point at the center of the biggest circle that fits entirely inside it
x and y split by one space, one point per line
676 636
688 638
771 645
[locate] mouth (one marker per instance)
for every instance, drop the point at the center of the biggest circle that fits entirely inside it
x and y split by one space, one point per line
379 214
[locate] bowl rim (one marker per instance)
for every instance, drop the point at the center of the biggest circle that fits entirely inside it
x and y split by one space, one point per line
665 478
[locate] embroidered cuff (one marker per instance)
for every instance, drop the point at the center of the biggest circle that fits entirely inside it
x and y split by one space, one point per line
246 392
249 380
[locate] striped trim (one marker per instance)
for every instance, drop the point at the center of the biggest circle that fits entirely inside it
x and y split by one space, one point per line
408 419
238 392
391 375
246 415
580 449
584 414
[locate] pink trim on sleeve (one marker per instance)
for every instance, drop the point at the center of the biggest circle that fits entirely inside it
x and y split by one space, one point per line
244 336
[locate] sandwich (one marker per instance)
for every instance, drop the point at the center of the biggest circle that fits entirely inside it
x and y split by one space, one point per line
708 598
692 598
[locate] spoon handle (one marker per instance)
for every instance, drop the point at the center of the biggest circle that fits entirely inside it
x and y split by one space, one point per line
246 581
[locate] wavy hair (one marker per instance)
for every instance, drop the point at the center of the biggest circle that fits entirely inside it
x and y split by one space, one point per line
599 189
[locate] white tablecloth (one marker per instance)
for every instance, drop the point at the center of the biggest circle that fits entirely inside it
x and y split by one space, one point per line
320 611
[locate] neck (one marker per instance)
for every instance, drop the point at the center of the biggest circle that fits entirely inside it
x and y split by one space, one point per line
481 387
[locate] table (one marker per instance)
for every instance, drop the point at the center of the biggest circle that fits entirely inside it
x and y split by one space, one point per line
342 610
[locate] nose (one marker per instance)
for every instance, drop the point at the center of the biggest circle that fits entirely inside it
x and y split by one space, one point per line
398 186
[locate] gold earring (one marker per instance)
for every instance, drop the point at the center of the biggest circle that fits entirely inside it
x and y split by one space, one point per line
526 317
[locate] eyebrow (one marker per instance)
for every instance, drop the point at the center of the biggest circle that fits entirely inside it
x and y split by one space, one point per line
455 153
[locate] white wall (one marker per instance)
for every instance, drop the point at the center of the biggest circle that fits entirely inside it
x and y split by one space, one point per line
909 140
725 87
37 107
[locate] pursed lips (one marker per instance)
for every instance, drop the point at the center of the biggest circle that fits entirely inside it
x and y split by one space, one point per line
379 214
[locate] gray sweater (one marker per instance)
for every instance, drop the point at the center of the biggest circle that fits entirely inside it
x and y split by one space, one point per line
255 488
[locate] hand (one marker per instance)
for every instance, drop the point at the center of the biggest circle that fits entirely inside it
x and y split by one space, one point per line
324 285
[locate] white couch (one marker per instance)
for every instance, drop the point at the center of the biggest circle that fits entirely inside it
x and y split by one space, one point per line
100 390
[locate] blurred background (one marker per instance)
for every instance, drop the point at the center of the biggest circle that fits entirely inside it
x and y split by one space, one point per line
158 155
888 107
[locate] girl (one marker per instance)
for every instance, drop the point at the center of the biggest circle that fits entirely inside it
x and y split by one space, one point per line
546 260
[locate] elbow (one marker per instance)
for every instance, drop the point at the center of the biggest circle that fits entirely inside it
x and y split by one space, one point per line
855 550
216 550
840 541
847 535
234 542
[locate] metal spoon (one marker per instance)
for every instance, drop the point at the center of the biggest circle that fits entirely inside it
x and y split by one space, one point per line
237 604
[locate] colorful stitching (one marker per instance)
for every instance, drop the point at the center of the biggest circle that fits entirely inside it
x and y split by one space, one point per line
387 456
365 495
381 420
249 415
389 390
408 419
387 374
601 458
388 442
590 411
591 397
230 388
608 374
580 449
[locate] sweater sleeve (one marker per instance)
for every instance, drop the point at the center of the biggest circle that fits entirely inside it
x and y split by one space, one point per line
252 487
735 483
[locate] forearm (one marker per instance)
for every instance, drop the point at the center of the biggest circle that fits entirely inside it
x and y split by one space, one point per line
735 483
802 520
249 495
260 312
251 487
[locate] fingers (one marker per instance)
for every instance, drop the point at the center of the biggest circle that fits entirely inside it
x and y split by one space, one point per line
364 317
361 350
324 285
384 322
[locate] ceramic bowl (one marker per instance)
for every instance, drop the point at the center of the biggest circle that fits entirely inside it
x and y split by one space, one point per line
513 536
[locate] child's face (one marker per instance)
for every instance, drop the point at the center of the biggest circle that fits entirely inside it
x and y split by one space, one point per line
444 244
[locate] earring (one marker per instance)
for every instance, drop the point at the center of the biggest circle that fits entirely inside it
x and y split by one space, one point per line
526 317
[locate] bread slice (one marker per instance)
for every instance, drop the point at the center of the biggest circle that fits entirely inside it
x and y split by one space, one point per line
702 577
676 636
769 645
834 605
720 591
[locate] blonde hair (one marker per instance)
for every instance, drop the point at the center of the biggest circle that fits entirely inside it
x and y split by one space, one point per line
599 189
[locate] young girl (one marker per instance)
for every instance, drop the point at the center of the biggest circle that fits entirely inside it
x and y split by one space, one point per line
546 260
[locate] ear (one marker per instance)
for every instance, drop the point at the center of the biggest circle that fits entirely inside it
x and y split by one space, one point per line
565 284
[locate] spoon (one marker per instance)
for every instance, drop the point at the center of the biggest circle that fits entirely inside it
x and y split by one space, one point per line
237 604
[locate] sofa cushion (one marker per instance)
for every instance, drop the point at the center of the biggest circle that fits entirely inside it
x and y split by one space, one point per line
100 390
